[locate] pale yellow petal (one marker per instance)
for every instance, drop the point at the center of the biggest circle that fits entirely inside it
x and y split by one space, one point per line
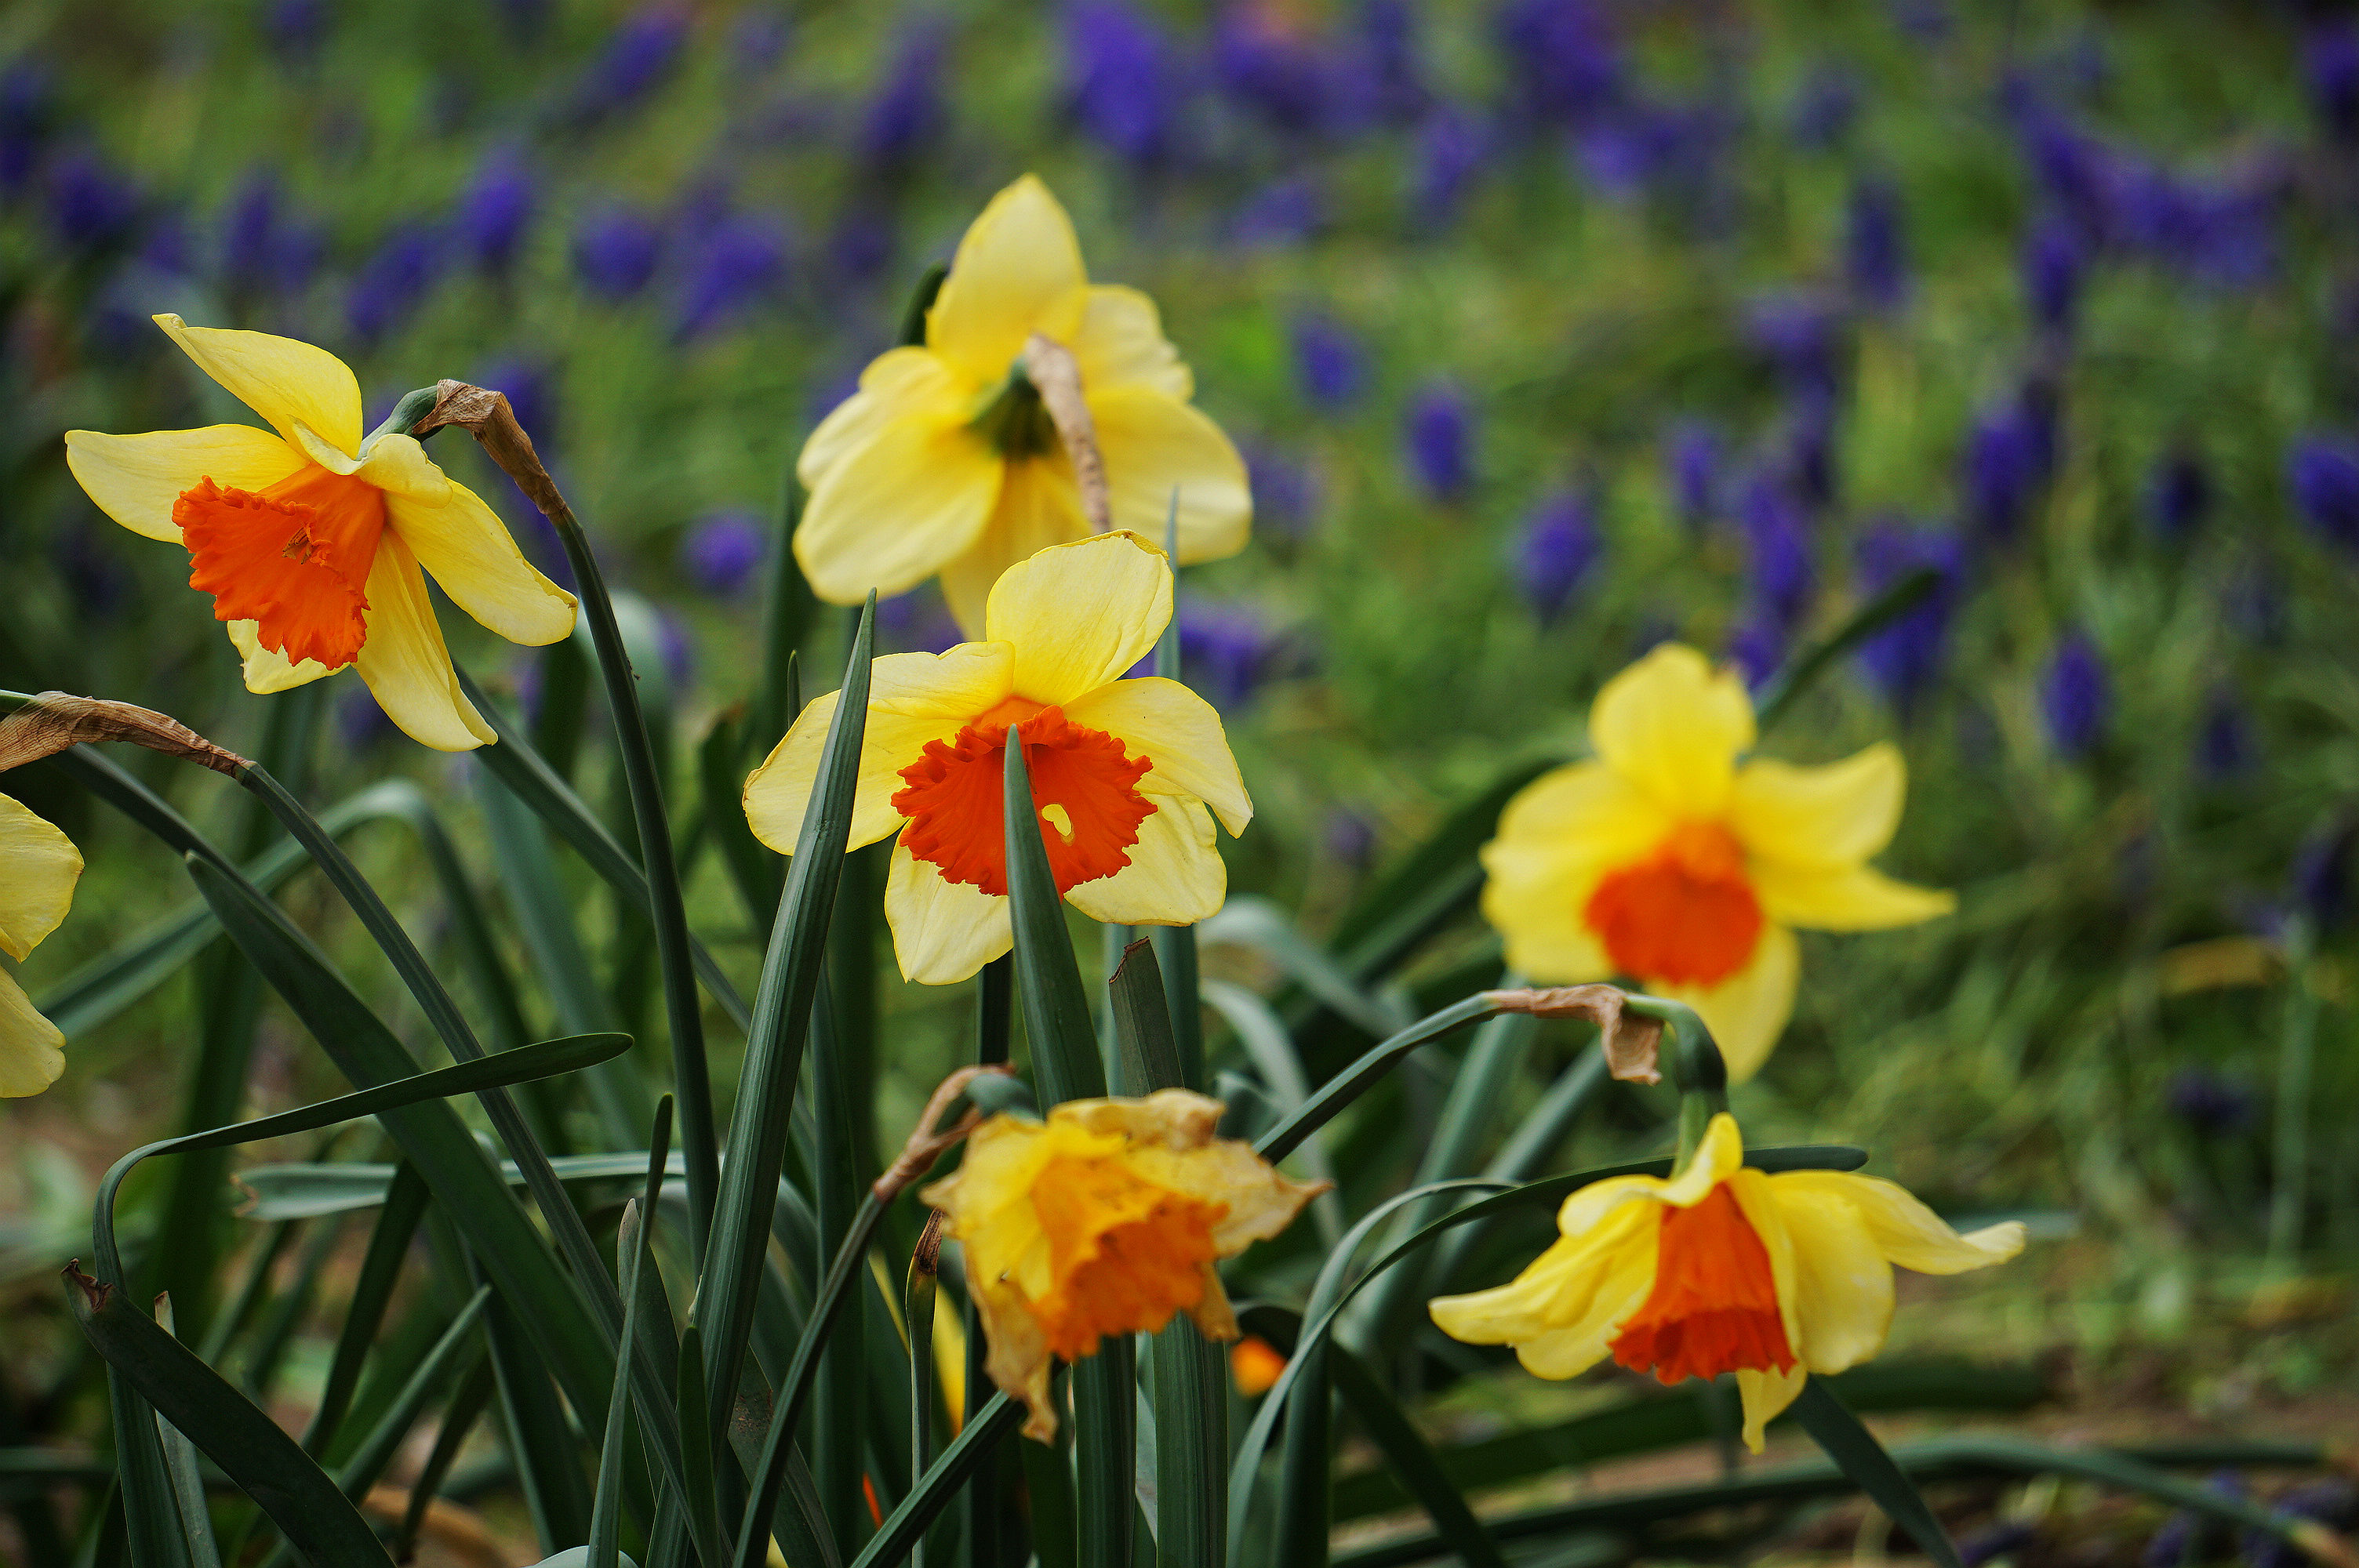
32 1051
1155 447
912 698
1176 876
39 867
1039 505
406 663
1844 898
897 382
1259 1199
1838 814
893 511
1561 1289
136 479
1764 1396
1747 1011
1673 725
1559 834
266 670
1750 1191
1843 1286
1718 1156
398 465
284 380
1180 734
1904 1229
475 560
1121 343
1080 614
943 932
1017 271
1581 1344
1015 1354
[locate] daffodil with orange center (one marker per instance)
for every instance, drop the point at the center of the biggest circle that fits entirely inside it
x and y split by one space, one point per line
1722 1269
946 460
1127 774
38 867
1677 862
312 540
1106 1219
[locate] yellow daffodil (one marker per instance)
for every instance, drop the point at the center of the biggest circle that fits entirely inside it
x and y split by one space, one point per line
1667 861
39 867
310 539
1127 774
946 460
1721 1268
1105 1219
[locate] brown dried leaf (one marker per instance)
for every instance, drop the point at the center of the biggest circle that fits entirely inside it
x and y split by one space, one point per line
56 719
484 413
1056 376
1631 1043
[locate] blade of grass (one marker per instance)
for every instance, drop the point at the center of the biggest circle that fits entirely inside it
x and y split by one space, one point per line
982 1434
188 1487
458 1417
993 1529
1859 1455
1410 1457
396 1223
606 1509
1256 923
1348 1085
1777 698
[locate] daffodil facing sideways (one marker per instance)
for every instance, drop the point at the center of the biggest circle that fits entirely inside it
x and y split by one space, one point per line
39 867
1666 860
1107 1219
947 460
310 539
1721 1268
1127 775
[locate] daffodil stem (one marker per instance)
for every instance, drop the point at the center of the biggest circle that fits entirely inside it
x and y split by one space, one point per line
2289 1154
1697 1067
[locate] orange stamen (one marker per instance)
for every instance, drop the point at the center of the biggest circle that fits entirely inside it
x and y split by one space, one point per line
1123 1254
1082 783
1714 1307
1684 916
293 557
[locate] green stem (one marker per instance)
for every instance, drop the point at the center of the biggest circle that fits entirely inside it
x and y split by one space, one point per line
2288 1188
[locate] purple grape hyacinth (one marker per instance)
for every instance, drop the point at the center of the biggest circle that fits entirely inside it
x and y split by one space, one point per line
394 282
1557 548
495 212
1876 249
615 254
1329 363
2076 696
2323 472
721 550
1440 432
1692 462
1904 659
1125 81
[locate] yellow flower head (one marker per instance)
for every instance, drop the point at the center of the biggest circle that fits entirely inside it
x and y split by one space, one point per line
945 460
310 539
1105 1219
1123 771
1721 1268
39 867
1667 861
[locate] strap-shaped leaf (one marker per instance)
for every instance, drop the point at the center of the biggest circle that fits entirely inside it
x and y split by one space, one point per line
1802 671
1411 1458
405 1205
1857 1452
1354 1080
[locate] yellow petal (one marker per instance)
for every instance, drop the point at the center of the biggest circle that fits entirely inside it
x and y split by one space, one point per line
1180 734
1904 1229
38 866
1747 1011
266 670
1750 1191
136 479
1565 1288
398 465
1175 877
1673 725
1019 271
1573 1350
32 1051
1843 898
1764 1396
1719 1155
897 382
912 698
895 509
1039 505
472 553
942 931
286 382
1843 1286
1838 814
1121 343
404 662
1080 614
1558 835
1155 446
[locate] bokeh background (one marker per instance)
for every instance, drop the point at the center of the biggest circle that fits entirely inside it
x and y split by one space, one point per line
1551 329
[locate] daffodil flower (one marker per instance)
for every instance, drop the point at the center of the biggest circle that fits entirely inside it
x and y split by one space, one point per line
1126 775
1721 1268
310 539
1667 861
946 460
39 867
1107 1219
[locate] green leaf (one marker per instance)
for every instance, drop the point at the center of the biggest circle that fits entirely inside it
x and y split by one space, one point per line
1353 1081
389 1245
195 1515
1249 922
839 1426
918 1301
249 1447
1411 1458
1048 1488
1144 1039
912 333
1776 698
300 1191
1065 1063
1175 951
458 1417
788 609
606 1510
695 1428
1855 1448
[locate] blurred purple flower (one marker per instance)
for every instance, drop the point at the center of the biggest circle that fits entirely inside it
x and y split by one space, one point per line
1668 149
677 649
1779 570
1691 456
2002 1538
1284 490
1758 645
91 206
721 550
263 251
1274 71
908 113
1556 549
2323 472
2321 874
1876 249
1826 107
2330 52
1927 21
1905 658
2334 1502
920 623
1440 434
295 29
1351 838
2179 495
1393 65
758 40
1225 652
2076 696
1562 61
1451 149
637 56
2223 746
531 391
2220 229
1284 213
1801 334
738 264
360 721
1329 361
95 578
2054 262
1125 81
2187 1536
866 238
1811 450
26 115
2010 455
616 252
495 211
393 282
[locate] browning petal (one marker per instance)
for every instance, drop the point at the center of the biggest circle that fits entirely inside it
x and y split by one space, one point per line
56 719
1629 1040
